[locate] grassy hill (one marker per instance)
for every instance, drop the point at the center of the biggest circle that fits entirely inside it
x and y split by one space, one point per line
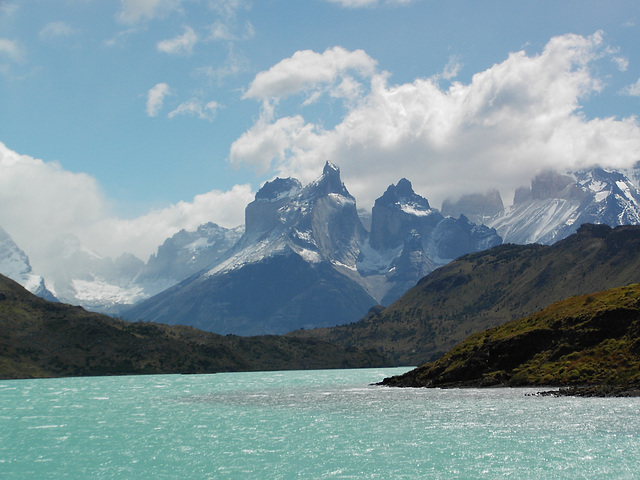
43 339
590 341
490 288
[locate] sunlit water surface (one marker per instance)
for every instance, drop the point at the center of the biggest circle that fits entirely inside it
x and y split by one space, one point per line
309 425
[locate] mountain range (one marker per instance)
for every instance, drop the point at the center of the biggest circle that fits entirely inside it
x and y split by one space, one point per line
482 290
307 257
305 260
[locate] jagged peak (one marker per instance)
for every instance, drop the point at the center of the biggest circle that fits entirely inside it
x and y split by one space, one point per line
279 188
330 182
402 193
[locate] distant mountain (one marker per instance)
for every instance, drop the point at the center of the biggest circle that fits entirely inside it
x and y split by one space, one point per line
305 259
45 339
14 263
80 276
589 344
557 204
486 289
185 254
293 267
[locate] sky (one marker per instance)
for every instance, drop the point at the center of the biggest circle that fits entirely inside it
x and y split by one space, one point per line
122 122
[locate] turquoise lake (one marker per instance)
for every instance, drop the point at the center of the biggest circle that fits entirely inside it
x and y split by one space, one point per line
306 425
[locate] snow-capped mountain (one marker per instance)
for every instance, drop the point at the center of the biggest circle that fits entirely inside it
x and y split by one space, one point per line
305 259
184 254
409 239
14 264
295 266
556 205
83 277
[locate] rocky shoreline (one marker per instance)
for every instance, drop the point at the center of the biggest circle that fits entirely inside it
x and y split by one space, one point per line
600 391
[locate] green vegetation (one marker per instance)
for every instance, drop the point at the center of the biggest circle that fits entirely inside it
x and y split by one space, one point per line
586 341
487 289
43 339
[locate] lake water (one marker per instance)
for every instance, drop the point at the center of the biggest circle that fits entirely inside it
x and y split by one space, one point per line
306 425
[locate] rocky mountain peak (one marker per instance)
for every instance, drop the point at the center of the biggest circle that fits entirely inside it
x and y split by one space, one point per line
402 194
279 188
329 182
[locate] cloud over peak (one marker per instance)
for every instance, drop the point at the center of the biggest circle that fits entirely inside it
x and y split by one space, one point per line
515 118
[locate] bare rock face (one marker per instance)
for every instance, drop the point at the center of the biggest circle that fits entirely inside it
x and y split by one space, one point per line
397 212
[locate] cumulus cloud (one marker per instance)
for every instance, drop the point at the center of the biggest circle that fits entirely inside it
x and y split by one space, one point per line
134 11
155 98
310 72
40 202
56 29
203 111
512 120
141 236
180 45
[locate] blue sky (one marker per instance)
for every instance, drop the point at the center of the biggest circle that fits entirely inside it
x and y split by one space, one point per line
124 121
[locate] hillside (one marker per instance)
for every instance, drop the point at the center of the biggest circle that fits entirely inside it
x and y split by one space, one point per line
586 341
486 289
44 339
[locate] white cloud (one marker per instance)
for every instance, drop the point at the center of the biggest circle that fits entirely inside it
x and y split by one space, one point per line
133 11
180 45
511 121
141 236
155 98
56 29
206 111
310 71
11 49
632 90
40 202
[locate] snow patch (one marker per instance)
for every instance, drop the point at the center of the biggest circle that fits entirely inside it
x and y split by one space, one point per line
413 209
98 292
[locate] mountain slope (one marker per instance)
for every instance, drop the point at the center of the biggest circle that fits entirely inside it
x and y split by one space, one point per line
294 267
589 340
15 264
44 339
486 289
556 205
305 260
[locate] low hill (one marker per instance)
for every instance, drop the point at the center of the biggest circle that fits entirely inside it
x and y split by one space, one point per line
44 339
486 289
590 341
